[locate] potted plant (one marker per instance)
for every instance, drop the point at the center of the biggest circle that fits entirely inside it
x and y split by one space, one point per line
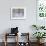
39 35
35 26
38 27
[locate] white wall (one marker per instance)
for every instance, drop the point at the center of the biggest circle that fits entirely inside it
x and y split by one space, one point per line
24 25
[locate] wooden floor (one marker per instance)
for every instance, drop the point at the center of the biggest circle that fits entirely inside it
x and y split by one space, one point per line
13 44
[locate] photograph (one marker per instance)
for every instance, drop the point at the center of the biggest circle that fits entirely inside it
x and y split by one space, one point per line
18 13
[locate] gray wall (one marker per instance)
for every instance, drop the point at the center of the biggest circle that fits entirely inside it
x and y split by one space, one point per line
24 25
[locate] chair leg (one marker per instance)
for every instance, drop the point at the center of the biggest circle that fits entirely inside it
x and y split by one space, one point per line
5 43
5 40
17 40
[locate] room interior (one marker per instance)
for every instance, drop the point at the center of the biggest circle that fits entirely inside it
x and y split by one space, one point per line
22 23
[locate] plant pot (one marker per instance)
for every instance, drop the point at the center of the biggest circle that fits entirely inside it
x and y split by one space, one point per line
40 41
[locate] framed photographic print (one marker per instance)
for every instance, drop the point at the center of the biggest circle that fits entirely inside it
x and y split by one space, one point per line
41 9
41 12
18 13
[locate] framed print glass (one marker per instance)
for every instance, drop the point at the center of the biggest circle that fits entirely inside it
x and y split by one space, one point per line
18 13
